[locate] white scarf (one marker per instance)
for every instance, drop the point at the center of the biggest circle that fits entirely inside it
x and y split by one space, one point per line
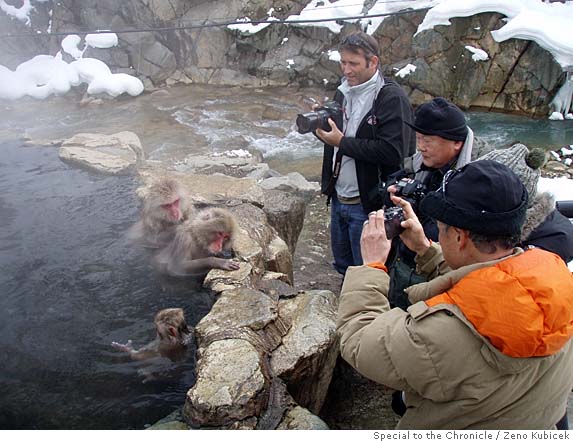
358 101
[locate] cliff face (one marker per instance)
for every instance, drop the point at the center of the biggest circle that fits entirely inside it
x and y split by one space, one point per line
519 76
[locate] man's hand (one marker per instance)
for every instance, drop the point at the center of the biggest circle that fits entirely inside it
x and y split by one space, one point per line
333 137
413 235
374 245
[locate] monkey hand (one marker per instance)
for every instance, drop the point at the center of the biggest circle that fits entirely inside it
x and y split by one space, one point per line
230 265
127 347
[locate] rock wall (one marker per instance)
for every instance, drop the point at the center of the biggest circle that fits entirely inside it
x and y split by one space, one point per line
518 77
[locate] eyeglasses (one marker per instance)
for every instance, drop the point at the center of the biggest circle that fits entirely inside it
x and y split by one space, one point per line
359 41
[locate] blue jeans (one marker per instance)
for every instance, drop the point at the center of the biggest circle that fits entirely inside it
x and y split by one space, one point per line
346 221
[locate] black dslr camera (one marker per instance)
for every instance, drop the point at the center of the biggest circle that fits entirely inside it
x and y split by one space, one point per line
411 190
318 119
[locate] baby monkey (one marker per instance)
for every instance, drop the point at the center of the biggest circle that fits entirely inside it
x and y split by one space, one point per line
171 340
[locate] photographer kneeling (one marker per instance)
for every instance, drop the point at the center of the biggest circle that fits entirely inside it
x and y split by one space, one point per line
487 344
444 142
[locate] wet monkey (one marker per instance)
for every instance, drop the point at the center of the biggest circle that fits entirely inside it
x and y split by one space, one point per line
164 207
199 244
172 337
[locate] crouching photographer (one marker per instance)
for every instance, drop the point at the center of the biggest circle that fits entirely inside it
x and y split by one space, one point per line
487 343
444 142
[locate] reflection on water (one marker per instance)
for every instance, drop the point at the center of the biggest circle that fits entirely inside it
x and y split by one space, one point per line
70 285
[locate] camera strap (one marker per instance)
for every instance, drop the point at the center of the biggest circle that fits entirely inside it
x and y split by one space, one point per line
335 172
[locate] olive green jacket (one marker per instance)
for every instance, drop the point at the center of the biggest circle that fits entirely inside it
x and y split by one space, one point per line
453 377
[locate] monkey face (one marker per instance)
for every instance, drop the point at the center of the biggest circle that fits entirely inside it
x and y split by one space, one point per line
219 242
172 210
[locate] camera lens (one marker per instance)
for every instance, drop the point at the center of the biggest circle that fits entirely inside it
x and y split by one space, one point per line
307 122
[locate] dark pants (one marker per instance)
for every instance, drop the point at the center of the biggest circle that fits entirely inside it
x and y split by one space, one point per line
346 222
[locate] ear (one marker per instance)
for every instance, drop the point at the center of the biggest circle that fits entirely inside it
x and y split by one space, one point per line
172 331
374 60
462 238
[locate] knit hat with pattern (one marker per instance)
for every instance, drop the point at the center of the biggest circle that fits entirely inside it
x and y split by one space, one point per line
524 163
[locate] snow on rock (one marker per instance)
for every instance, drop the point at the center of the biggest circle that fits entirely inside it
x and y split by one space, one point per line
406 70
102 41
478 54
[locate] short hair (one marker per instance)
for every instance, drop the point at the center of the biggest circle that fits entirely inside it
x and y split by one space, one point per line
360 41
490 244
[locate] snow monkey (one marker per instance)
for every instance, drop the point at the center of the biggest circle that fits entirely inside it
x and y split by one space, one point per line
199 243
164 207
171 340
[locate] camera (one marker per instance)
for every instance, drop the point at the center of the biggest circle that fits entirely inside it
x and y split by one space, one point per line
393 217
318 119
410 189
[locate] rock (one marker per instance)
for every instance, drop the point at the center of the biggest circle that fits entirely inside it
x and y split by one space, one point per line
232 163
556 167
300 418
226 392
293 182
115 154
285 213
307 356
220 280
279 258
212 188
250 327
519 76
237 309
257 172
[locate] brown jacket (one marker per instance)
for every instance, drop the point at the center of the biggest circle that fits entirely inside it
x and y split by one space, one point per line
452 376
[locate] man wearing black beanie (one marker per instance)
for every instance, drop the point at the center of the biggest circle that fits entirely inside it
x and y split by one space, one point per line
444 142
486 343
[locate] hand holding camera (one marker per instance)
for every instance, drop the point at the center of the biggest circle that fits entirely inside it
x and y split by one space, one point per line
412 234
374 244
325 121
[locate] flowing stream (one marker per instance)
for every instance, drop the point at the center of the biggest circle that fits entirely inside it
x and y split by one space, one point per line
71 284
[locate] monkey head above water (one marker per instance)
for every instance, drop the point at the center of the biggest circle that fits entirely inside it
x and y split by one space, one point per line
199 244
172 337
164 207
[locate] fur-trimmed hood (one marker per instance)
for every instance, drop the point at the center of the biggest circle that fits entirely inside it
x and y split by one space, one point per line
542 206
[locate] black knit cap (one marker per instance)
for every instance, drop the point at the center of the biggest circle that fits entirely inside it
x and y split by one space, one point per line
484 197
442 118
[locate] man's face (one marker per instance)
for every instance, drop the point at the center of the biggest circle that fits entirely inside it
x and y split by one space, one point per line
447 240
437 151
356 68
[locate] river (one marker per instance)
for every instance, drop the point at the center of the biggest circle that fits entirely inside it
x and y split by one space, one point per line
70 282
